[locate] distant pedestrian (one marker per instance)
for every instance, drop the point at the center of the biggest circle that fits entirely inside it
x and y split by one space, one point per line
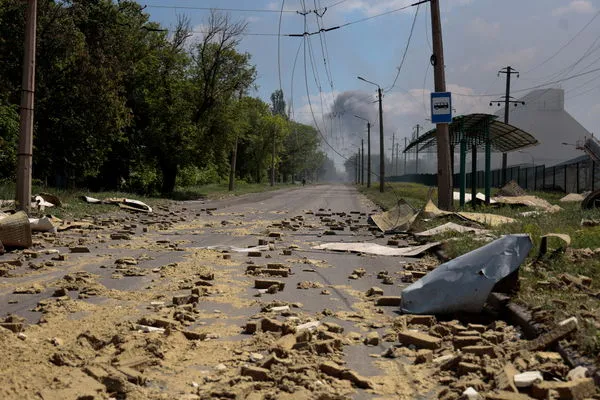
303 182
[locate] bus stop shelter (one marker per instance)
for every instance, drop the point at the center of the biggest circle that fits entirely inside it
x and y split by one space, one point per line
477 132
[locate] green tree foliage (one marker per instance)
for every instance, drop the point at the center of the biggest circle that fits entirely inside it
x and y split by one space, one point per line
122 103
278 103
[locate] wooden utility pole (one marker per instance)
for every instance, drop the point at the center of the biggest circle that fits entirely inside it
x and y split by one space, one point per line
381 152
24 155
232 167
417 128
507 102
393 143
273 161
397 148
405 145
362 161
445 201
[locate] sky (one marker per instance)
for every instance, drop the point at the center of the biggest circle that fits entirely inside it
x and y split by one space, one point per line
545 40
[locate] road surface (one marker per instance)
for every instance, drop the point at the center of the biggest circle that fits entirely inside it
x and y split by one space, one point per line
149 308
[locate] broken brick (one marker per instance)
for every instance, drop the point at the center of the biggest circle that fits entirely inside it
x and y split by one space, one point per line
573 390
419 339
548 339
256 373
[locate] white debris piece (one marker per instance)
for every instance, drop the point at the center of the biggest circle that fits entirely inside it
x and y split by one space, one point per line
579 372
472 394
148 329
527 379
312 325
280 308
568 321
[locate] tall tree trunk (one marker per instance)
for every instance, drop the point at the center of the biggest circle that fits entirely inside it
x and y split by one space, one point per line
232 168
169 175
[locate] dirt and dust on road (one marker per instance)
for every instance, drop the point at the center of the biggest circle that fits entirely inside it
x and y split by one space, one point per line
229 300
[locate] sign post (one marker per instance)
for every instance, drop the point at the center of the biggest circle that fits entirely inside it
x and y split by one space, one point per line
441 108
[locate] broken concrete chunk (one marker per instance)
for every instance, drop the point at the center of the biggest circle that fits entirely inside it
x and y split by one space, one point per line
480 351
471 394
424 356
181 299
505 379
463 341
267 283
271 325
579 372
256 373
372 339
576 390
418 339
79 249
389 301
312 325
251 327
548 339
375 291
527 379
427 320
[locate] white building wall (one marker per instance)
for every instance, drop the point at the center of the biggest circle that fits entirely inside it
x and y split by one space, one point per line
545 117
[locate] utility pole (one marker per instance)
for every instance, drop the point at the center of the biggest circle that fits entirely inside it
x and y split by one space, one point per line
24 155
507 101
357 167
368 154
381 142
234 157
368 149
362 162
397 147
417 127
393 142
405 145
445 201
273 161
381 152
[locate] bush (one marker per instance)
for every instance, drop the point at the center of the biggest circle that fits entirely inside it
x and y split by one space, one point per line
143 178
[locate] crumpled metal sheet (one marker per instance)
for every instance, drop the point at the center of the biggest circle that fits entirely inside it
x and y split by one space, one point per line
464 284
377 249
398 219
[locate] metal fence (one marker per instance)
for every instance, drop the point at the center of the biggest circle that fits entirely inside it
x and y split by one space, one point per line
569 178
577 177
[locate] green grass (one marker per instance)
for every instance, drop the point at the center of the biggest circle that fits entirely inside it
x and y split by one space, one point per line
221 190
567 221
74 207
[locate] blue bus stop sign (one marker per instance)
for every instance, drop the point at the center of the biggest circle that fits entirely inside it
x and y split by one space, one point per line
441 108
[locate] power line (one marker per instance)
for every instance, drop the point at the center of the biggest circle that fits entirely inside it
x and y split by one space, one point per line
219 9
564 45
531 87
412 28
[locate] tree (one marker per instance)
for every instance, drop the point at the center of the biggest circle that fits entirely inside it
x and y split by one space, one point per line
278 103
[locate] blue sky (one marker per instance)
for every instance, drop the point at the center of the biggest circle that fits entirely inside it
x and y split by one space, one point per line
480 37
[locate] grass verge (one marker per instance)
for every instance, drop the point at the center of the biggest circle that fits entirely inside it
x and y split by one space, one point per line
74 207
543 282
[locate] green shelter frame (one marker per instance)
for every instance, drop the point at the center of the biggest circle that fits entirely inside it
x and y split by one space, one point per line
476 132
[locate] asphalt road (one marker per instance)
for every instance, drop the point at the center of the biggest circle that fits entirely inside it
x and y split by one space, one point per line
300 215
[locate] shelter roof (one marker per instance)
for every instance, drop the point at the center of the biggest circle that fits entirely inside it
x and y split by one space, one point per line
473 128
